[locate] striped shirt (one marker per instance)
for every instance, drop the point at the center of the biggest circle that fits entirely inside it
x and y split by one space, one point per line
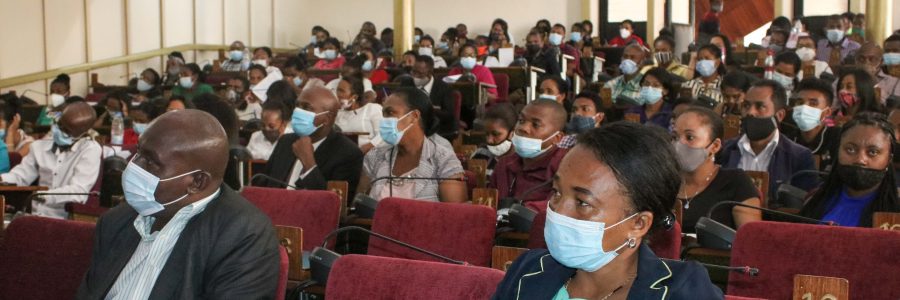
712 90
619 87
137 279
436 161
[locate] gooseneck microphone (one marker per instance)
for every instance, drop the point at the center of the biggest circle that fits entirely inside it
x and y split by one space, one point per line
746 270
273 179
713 234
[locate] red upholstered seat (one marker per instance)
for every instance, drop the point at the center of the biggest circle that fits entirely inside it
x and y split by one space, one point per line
282 273
14 159
44 258
667 243
867 257
536 235
372 277
458 231
502 81
91 207
316 212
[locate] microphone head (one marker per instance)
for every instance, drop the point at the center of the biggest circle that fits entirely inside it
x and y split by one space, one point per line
320 262
521 218
712 234
364 206
790 196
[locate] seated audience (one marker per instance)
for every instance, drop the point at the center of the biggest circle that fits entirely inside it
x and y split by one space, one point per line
734 88
809 129
787 68
499 122
659 88
238 58
113 104
806 50
331 56
275 120
413 150
836 46
627 87
357 115
426 48
174 65
191 82
440 94
60 90
179 103
856 93
182 233
353 68
892 56
665 57
467 65
553 88
862 180
147 87
762 147
294 72
526 175
871 58
626 36
603 208
587 113
69 162
698 133
315 153
708 79
540 54
12 134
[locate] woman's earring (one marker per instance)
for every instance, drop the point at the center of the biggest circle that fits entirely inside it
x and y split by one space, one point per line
632 242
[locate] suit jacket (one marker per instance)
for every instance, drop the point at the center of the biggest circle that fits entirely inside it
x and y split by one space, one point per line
537 275
227 251
441 96
788 159
337 158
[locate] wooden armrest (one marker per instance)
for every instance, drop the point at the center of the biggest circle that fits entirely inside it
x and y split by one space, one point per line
536 69
292 240
502 256
485 196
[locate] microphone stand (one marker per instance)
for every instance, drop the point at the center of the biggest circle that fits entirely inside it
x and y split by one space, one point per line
783 214
390 239
270 178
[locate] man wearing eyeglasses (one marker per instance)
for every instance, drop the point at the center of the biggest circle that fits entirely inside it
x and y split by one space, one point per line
67 163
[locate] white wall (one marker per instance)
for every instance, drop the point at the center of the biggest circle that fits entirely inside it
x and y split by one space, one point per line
80 31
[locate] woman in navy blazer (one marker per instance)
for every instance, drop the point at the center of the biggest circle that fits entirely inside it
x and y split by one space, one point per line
612 190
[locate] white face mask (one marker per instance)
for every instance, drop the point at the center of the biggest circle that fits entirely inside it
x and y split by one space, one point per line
261 62
426 51
624 33
500 149
56 100
346 104
143 86
806 53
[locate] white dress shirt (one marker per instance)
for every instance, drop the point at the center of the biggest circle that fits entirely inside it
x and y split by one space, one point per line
253 111
137 279
427 87
73 171
260 148
298 167
750 161
363 119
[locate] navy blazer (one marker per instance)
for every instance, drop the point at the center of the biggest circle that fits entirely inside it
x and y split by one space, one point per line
537 275
788 159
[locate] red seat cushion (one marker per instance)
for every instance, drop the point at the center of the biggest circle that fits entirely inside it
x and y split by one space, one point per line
282 273
667 243
316 212
458 231
867 257
536 235
371 277
44 258
502 81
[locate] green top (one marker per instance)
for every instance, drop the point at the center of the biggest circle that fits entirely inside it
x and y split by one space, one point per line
43 118
199 88
563 294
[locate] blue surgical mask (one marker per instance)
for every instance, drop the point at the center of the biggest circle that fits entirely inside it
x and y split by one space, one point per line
186 82
834 35
304 122
628 67
443 45
140 189
416 38
527 147
580 124
60 138
650 95
467 62
236 55
330 54
143 86
389 131
555 39
139 128
367 66
891 59
297 81
575 37
578 244
706 67
786 82
2 134
807 117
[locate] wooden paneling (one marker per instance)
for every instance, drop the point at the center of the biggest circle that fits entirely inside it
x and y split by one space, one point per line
740 17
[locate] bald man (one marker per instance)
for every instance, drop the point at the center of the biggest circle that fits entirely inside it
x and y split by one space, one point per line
870 56
526 174
183 234
238 58
315 153
68 163
628 85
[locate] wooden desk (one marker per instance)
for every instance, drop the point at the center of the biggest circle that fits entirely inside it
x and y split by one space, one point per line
712 256
17 196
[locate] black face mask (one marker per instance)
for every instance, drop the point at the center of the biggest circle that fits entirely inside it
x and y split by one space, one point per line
533 48
758 128
859 178
271 135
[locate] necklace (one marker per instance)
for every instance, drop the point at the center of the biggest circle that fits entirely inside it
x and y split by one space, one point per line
627 280
685 198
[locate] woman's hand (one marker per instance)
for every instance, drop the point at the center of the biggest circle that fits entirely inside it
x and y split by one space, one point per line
12 133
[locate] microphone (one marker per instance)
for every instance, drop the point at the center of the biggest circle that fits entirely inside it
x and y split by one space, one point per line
791 196
746 270
364 206
321 259
270 178
713 234
519 216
